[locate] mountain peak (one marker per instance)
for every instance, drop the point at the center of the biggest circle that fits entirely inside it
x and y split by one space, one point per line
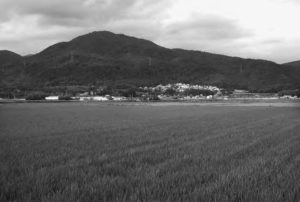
7 52
105 43
7 56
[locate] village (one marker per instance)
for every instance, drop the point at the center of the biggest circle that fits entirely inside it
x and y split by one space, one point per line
173 92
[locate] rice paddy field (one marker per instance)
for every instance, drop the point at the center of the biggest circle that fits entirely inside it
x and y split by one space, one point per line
149 152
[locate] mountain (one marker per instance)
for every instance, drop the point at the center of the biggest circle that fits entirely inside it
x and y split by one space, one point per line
295 63
8 57
105 58
11 69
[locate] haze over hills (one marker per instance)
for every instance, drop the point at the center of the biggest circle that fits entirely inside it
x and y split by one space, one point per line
105 58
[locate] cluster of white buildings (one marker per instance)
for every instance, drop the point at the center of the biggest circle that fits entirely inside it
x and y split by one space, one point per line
90 98
180 87
289 97
197 97
103 98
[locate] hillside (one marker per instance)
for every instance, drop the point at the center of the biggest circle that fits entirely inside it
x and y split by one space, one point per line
12 70
8 58
294 63
105 58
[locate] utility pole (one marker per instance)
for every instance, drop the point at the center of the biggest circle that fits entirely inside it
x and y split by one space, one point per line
149 61
72 57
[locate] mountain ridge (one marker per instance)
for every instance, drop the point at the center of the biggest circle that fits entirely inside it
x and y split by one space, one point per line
105 58
293 63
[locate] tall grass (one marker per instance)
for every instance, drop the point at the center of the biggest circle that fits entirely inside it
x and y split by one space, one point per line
103 152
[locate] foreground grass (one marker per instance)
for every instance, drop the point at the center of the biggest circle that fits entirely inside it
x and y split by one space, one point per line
92 152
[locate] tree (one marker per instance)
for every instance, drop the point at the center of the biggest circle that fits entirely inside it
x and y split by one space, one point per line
105 91
170 91
195 92
129 93
36 96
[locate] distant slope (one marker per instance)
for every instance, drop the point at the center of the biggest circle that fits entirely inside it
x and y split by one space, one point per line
106 58
295 63
11 69
294 68
8 58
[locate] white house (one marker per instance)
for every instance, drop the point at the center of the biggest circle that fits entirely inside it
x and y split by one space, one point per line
99 98
93 98
289 97
51 98
119 98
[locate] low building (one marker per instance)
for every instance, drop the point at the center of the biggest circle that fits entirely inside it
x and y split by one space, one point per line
93 98
119 98
51 98
99 98
85 94
242 94
289 97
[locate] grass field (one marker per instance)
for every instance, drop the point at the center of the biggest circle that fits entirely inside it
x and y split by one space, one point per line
110 152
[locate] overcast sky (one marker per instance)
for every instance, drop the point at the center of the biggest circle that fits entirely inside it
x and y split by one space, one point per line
266 29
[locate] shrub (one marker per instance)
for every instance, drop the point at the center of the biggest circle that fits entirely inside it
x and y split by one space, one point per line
65 97
105 91
195 92
129 93
154 98
289 92
36 96
170 91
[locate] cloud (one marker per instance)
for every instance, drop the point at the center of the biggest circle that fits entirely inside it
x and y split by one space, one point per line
209 27
290 1
284 50
272 41
209 33
256 28
55 11
67 12
55 20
